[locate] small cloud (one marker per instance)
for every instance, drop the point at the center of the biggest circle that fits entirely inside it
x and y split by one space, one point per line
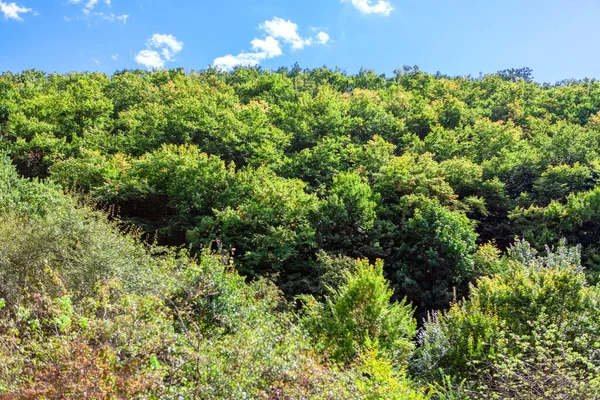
96 61
149 59
167 45
115 57
91 8
13 11
322 38
367 7
112 17
269 46
230 61
277 31
284 30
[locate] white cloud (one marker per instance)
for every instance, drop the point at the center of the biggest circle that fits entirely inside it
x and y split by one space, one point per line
367 7
269 45
168 45
230 61
161 48
284 30
111 17
115 57
149 59
96 61
90 5
322 38
276 31
227 62
90 9
12 10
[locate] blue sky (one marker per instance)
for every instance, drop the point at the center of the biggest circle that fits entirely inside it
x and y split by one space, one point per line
556 38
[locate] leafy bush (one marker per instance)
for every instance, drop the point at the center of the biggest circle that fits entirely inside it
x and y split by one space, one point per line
509 321
359 313
22 197
75 244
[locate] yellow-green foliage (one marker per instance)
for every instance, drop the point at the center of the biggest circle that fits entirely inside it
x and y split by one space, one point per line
358 313
383 381
532 325
87 311
299 180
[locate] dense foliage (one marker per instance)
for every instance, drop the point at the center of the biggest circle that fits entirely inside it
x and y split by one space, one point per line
299 234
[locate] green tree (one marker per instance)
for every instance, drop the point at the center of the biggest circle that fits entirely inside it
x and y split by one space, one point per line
347 215
359 314
432 254
267 219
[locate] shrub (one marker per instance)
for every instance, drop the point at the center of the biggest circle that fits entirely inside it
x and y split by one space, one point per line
510 320
76 244
359 312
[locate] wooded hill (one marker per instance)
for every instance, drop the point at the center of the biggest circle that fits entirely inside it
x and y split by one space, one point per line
299 234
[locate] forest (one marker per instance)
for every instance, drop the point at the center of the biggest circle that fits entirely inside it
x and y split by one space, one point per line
299 234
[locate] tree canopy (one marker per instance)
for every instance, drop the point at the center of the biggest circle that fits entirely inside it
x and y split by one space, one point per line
375 233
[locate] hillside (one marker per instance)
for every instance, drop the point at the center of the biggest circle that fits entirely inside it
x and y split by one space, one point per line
299 234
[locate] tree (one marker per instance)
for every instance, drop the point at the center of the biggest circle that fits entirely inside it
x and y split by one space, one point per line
267 219
515 74
347 215
358 314
432 255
